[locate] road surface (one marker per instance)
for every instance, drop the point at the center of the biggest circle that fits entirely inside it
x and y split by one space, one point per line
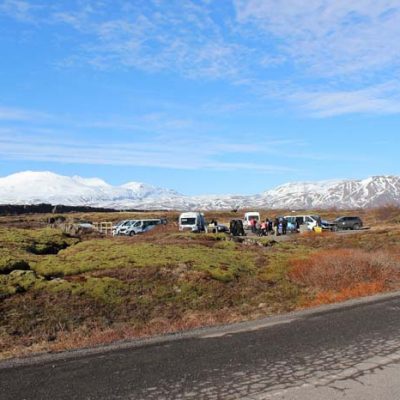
341 352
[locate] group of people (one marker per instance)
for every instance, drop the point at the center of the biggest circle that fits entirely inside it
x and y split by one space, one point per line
277 226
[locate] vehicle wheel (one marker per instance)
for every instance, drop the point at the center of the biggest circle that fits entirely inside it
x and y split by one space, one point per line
334 228
132 233
356 227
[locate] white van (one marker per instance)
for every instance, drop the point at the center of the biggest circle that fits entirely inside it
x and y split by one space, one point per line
249 216
143 225
121 227
193 221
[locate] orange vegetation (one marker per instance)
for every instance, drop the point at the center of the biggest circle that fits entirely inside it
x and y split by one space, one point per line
341 274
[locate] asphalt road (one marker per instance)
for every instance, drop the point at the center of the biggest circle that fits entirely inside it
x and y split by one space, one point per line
346 352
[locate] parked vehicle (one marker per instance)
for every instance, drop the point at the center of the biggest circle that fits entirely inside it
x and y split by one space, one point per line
248 217
353 223
221 228
328 226
215 227
142 226
121 227
236 227
291 224
193 221
310 221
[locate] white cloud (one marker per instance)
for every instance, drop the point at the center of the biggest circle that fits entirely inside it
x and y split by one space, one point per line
345 54
153 123
180 37
185 154
18 114
18 9
331 38
336 56
379 99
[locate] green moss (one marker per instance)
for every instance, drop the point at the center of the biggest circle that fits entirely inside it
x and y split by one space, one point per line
5 288
10 261
225 245
226 262
106 290
19 247
18 281
32 239
219 275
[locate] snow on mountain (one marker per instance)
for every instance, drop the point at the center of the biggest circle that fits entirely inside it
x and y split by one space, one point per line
46 187
90 181
371 192
143 190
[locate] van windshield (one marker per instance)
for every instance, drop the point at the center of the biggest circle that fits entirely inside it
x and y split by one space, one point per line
188 221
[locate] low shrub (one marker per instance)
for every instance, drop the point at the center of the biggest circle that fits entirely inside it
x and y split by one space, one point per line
343 269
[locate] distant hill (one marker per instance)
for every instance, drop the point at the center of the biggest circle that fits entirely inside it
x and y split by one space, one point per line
46 187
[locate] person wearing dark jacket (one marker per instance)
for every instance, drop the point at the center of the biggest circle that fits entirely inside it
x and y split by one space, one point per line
284 226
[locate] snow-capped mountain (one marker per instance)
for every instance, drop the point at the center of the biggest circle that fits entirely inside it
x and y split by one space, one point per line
46 187
371 192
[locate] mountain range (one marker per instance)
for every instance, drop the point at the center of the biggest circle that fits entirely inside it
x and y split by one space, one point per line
31 187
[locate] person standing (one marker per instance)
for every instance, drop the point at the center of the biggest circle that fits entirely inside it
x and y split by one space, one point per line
276 226
263 231
266 227
253 222
258 228
284 226
266 224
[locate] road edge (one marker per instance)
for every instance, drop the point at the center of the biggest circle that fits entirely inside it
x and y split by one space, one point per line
198 333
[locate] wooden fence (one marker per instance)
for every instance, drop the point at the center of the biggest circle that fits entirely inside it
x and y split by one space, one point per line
103 227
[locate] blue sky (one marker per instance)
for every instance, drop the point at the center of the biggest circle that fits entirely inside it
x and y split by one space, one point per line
205 96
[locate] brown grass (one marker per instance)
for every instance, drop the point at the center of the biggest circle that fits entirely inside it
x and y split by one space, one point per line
96 335
341 274
357 290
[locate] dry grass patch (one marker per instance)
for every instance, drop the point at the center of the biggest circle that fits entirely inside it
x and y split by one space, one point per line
339 274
